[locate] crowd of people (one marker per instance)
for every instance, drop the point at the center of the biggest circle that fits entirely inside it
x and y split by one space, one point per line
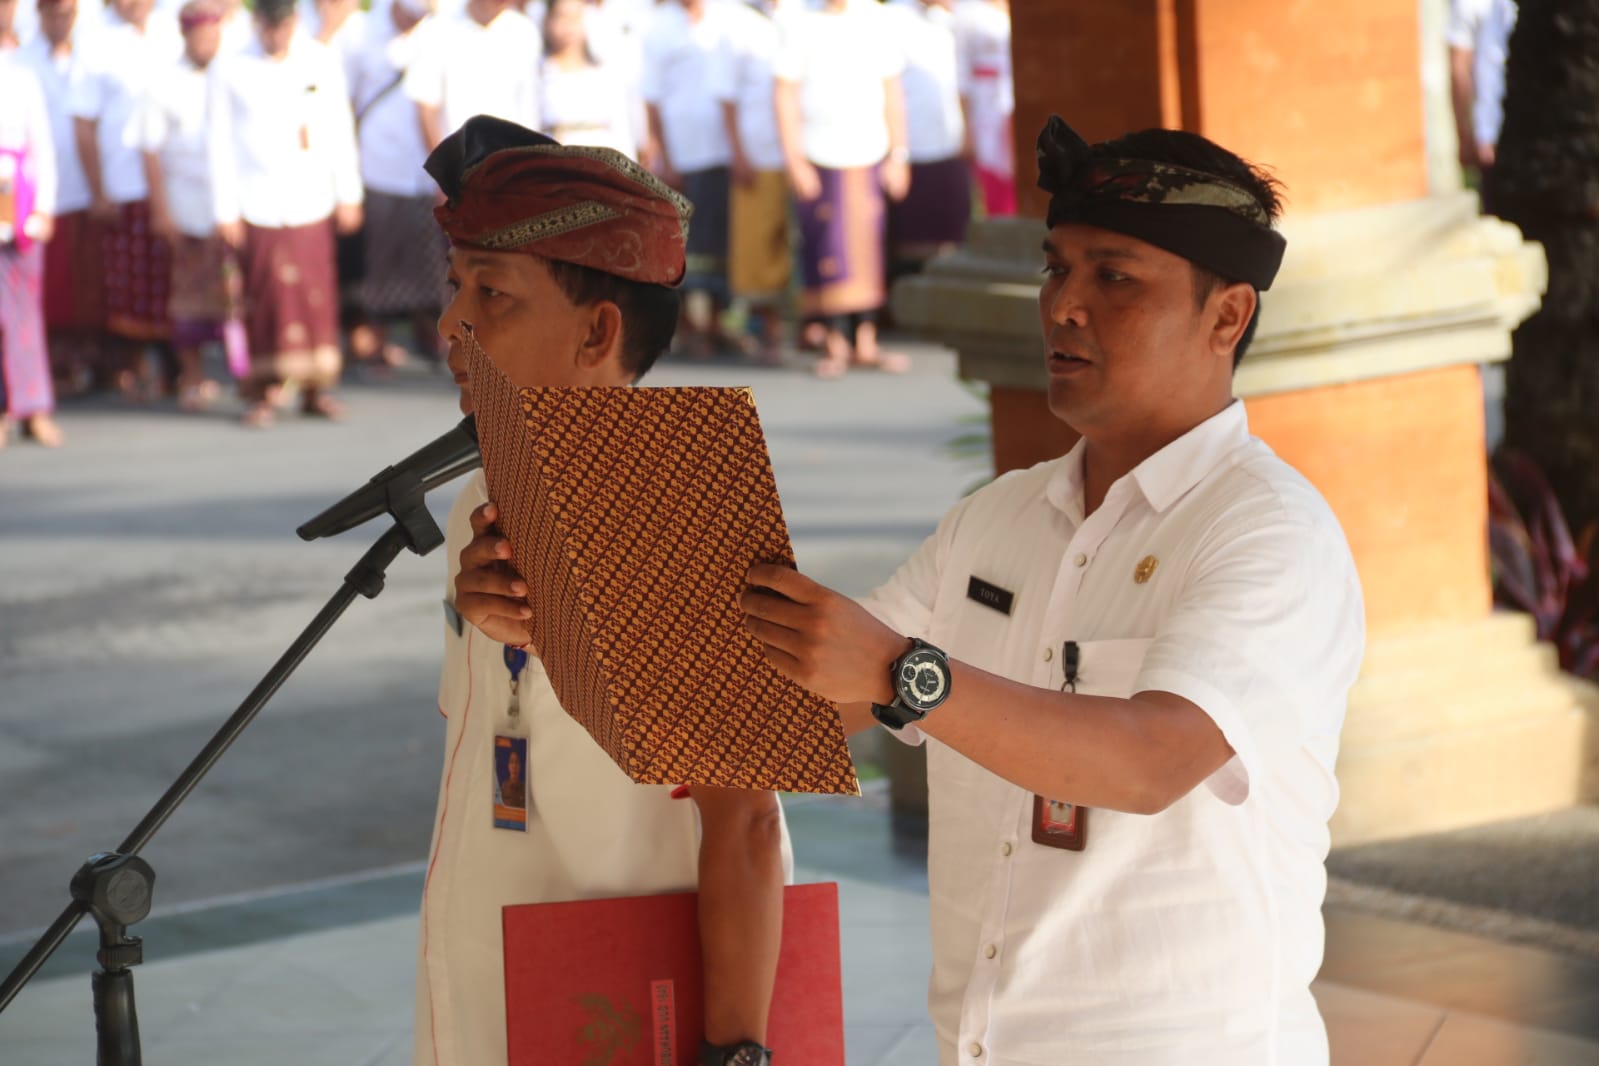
174 178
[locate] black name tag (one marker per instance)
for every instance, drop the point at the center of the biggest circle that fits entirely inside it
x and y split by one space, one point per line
989 595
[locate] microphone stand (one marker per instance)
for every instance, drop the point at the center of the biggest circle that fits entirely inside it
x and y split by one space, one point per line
115 887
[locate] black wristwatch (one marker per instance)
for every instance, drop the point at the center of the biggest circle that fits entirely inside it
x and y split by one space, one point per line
748 1053
921 682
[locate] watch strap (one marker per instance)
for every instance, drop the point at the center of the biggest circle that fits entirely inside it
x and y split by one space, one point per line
896 715
746 1053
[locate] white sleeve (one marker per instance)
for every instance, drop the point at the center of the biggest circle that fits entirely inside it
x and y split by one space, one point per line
220 148
1465 21
86 93
721 71
152 125
891 48
346 157
788 62
40 141
650 73
424 78
1265 636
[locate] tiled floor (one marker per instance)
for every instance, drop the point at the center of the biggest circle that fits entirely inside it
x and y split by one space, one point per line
339 993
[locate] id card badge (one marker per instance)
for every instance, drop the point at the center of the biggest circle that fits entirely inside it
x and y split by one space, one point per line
510 753
1057 824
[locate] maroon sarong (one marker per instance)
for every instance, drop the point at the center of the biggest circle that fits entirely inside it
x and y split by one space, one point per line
292 305
138 276
74 283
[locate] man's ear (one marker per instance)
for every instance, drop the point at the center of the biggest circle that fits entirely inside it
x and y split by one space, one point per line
602 341
1234 306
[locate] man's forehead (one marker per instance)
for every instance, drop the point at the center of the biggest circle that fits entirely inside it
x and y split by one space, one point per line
481 259
1094 242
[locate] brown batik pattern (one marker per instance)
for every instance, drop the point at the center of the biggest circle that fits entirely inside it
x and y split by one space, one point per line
634 515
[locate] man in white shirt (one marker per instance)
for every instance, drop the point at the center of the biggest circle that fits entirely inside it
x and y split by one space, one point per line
205 300
1478 36
1151 643
935 212
74 283
558 294
682 46
759 256
119 61
403 245
841 116
284 175
480 60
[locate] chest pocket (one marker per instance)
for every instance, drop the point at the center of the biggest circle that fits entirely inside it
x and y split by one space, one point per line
1103 667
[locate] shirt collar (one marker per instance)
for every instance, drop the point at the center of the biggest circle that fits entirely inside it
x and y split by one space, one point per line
1164 477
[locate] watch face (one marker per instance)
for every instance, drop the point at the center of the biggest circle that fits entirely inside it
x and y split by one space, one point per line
749 1056
923 679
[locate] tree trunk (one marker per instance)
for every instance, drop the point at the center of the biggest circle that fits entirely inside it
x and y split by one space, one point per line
1546 181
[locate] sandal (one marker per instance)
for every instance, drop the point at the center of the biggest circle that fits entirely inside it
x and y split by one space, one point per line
316 405
259 416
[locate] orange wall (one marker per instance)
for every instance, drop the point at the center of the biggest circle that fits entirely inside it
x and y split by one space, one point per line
1328 95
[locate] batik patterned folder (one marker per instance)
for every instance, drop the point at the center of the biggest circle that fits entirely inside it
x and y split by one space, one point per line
634 515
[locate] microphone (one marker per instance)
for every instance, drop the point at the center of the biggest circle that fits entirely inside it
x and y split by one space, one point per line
445 459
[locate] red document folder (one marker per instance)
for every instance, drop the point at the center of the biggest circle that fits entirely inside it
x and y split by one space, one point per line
616 982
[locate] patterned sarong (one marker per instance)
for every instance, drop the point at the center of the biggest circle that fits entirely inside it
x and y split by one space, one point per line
759 260
935 212
292 312
138 276
709 191
74 283
405 250
841 238
25 388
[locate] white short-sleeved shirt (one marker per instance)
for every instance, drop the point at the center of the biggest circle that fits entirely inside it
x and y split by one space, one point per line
119 64
741 75
173 126
1189 937
840 61
588 106
281 136
56 73
1483 27
678 54
592 833
465 68
388 131
982 35
25 127
935 129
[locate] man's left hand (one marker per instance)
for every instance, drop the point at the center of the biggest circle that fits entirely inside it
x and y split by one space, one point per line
819 638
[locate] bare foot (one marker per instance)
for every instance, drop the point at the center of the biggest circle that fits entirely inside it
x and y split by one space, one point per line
317 404
43 429
869 357
259 416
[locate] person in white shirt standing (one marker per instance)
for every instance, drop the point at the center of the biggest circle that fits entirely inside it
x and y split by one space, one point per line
27 204
1479 38
284 175
989 98
206 288
119 61
74 284
403 245
1131 741
841 116
685 118
584 98
480 60
759 258
936 211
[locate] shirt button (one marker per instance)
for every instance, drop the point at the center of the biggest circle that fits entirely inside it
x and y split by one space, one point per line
1049 653
975 1050
1005 848
1080 560
990 951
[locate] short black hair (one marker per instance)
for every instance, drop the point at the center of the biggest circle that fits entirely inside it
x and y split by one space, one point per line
1184 149
649 311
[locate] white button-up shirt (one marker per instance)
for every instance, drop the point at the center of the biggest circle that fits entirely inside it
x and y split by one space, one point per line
281 136
1189 937
56 74
119 65
465 68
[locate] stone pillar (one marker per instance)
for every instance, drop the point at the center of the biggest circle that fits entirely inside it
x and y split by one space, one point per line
1365 372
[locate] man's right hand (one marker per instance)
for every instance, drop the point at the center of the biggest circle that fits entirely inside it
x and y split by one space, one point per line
231 233
805 180
102 209
489 593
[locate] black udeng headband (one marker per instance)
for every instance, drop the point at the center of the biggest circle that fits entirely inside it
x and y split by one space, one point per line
1205 219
